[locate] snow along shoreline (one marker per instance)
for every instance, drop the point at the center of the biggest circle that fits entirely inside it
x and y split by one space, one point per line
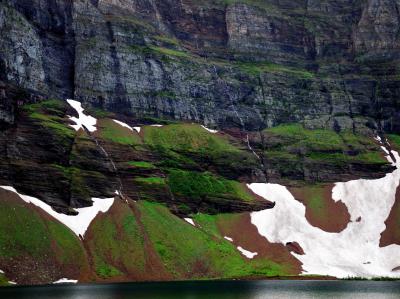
77 223
354 252
65 281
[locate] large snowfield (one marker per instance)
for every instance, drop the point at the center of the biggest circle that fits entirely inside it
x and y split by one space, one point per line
355 251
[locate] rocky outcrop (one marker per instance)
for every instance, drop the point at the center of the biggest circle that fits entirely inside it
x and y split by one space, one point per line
42 156
38 45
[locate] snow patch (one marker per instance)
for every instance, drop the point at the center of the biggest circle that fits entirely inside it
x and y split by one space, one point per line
247 253
77 223
209 130
158 126
229 239
122 124
65 281
83 121
385 150
12 282
190 220
354 252
1 272
137 129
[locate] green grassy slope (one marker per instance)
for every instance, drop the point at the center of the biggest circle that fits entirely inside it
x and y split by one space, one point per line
29 237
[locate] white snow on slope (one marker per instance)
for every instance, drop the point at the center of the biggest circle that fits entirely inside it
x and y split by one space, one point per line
79 223
229 239
158 126
137 129
65 281
246 253
352 252
190 220
83 120
209 130
122 124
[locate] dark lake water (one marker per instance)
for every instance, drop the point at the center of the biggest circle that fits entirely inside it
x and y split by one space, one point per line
211 290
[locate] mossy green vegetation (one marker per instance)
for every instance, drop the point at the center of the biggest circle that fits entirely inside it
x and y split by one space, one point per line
25 233
3 280
116 244
189 146
184 251
65 242
170 52
98 113
192 253
168 40
318 140
196 185
163 52
322 145
141 164
186 137
51 114
151 180
257 68
22 232
395 139
111 131
314 200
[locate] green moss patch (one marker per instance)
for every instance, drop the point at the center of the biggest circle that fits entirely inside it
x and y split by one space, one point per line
151 180
3 280
116 244
257 68
141 164
51 114
111 131
321 145
170 52
314 200
26 235
22 232
395 139
98 113
186 137
191 253
167 40
190 146
197 185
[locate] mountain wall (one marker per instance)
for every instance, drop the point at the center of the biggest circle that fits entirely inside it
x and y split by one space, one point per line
228 139
249 64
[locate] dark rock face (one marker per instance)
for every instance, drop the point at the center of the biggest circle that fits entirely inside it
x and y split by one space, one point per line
326 63
38 45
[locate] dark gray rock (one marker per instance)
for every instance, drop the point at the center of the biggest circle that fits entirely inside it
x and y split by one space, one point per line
325 63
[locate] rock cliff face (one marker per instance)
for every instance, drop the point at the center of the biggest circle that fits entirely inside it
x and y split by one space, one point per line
247 64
